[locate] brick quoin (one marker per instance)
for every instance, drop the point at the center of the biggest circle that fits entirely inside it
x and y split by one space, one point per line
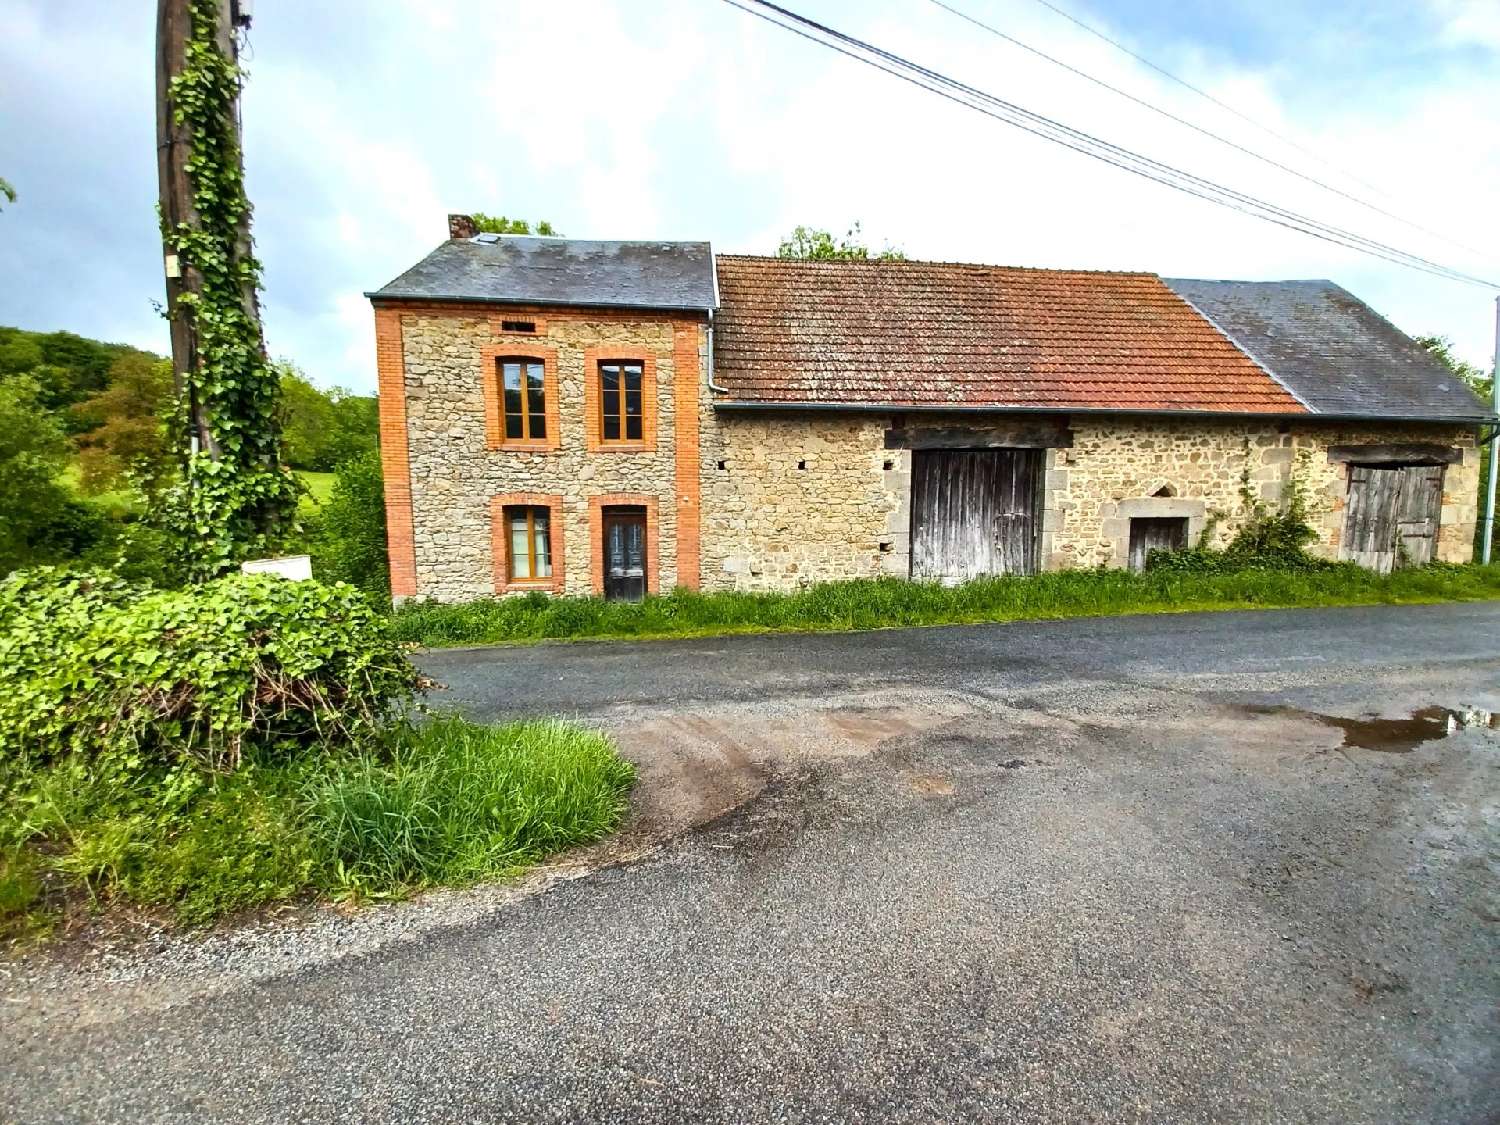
394 460
685 335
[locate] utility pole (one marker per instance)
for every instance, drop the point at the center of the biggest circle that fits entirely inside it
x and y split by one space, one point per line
173 147
1489 494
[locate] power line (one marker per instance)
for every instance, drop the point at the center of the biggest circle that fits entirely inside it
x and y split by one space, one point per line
1080 141
1225 106
1170 116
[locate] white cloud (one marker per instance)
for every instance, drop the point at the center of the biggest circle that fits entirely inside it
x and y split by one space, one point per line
366 124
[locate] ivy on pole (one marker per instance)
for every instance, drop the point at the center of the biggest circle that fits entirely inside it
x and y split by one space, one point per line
235 500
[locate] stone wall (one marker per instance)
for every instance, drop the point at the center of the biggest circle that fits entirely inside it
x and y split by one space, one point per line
455 473
1117 470
796 497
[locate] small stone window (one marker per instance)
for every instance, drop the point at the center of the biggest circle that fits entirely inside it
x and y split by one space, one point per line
1153 533
1165 491
518 326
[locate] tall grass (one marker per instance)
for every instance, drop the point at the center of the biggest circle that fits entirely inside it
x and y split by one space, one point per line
449 802
892 602
459 802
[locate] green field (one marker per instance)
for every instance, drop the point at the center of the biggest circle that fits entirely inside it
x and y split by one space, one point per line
319 488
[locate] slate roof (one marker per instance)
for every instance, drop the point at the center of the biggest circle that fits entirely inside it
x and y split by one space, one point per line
1331 349
562 271
927 334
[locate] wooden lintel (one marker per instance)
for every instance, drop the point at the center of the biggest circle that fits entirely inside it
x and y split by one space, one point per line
1411 453
962 437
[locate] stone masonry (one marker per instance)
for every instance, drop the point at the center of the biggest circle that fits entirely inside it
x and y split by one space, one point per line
459 467
793 498
776 500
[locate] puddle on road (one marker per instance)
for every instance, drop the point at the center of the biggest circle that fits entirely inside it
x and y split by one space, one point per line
1394 736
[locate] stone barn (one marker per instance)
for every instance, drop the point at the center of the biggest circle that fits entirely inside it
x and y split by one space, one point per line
618 418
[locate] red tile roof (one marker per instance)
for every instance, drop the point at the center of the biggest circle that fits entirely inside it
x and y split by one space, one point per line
941 334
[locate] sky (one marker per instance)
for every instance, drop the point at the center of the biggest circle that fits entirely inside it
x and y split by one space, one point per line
367 121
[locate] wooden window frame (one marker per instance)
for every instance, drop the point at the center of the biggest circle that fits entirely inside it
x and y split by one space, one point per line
500 542
593 400
522 350
597 504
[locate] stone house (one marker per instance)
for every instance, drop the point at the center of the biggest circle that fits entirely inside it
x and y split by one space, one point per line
618 418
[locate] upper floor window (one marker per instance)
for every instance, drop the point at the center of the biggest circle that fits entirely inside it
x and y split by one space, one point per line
524 397
620 400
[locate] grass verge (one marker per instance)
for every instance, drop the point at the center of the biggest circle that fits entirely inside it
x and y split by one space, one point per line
892 602
448 802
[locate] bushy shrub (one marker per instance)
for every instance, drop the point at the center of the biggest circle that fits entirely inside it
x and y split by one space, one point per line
97 665
348 539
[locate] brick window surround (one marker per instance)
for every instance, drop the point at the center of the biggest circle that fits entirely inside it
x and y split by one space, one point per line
500 540
518 346
593 407
597 504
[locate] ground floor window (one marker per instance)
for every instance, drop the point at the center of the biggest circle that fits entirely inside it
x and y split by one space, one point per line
530 544
1155 533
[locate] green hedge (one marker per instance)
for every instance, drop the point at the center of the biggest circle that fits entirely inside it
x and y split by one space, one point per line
97 665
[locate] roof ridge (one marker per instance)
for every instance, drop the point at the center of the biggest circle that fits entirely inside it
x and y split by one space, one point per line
907 262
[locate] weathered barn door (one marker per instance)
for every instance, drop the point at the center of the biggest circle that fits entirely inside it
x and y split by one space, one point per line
974 512
1391 516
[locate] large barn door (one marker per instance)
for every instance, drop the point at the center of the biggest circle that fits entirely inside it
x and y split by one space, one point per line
974 512
1392 515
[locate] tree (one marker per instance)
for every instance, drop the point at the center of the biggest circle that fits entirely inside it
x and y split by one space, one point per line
127 438
350 543
7 191
1442 349
33 451
499 224
811 244
1481 384
321 428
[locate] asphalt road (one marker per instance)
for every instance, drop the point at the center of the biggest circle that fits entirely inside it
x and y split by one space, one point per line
1125 870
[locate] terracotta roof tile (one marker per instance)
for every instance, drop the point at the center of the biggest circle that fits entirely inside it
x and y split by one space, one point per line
941 334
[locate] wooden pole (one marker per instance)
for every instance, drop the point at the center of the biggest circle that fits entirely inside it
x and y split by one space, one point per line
173 145
1494 451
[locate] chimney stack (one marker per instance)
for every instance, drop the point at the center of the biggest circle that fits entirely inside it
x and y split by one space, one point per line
461 226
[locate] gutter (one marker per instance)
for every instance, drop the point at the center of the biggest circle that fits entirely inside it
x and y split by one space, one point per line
713 262
1278 416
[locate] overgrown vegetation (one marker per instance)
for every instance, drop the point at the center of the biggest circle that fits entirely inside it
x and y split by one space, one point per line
449 802
234 498
881 603
98 666
347 532
250 739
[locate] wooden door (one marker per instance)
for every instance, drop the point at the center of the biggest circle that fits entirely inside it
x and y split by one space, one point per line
624 554
1417 511
1391 516
974 512
1155 533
